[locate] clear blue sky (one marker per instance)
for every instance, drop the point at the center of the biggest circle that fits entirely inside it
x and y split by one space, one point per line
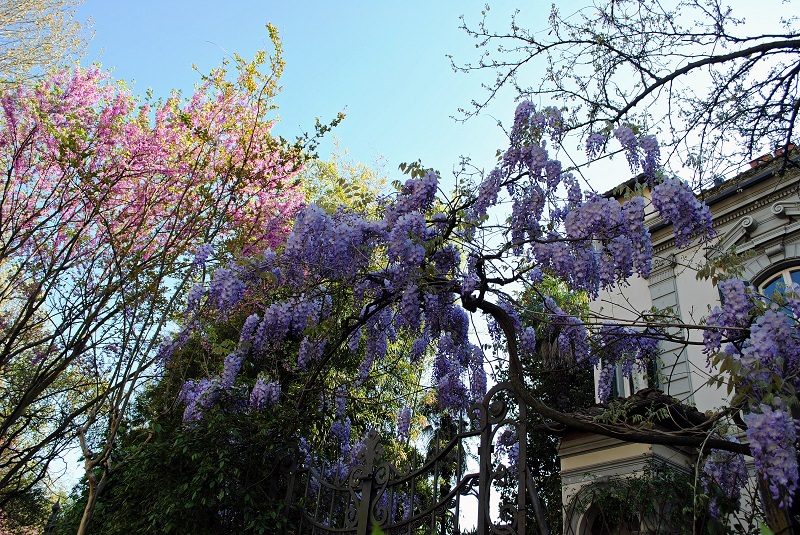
383 63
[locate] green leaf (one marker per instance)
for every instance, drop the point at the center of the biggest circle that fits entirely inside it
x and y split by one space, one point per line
763 529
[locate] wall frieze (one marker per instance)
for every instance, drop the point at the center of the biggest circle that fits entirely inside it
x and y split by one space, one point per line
751 206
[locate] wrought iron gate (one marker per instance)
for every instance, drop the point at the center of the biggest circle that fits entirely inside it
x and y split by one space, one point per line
475 481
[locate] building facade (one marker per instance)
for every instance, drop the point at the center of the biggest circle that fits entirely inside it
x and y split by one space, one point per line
756 218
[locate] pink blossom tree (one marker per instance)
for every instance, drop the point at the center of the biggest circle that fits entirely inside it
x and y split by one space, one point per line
109 210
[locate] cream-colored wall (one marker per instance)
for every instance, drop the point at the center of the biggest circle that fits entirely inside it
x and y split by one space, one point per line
622 305
697 297
694 299
751 217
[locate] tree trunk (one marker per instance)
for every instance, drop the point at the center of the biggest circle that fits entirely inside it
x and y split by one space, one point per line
777 517
95 488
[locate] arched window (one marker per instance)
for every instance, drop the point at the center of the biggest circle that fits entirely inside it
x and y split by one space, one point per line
598 521
780 280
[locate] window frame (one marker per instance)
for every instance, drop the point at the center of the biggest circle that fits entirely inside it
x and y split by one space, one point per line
788 275
760 280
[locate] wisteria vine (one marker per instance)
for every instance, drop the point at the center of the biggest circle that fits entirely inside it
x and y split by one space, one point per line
416 269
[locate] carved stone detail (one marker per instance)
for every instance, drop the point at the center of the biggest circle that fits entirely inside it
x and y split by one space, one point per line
786 208
743 228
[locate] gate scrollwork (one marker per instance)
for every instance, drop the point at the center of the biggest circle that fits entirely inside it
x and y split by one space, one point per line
432 495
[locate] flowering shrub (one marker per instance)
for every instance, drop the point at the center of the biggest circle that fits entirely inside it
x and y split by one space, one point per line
415 288
761 358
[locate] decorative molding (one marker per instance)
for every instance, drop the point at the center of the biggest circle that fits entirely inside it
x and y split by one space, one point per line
662 275
661 247
663 269
786 208
592 473
596 473
751 206
588 443
775 252
767 236
742 228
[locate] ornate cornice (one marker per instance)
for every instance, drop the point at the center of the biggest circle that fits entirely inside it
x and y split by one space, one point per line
764 238
600 472
749 206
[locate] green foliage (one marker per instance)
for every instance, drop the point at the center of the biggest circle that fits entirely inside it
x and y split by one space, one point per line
413 169
763 529
561 385
26 512
660 499
732 374
224 474
620 411
340 182
727 265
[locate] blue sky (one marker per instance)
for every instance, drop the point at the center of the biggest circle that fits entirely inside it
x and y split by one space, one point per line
383 63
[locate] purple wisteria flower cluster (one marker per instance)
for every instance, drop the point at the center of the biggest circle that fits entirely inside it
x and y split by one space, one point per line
651 160
762 355
677 204
772 433
726 473
731 318
630 349
571 334
264 394
630 144
766 348
233 363
338 249
201 255
530 124
226 288
403 424
198 395
642 152
507 444
590 241
595 143
364 290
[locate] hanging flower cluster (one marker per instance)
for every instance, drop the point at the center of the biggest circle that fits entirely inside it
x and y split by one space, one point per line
762 356
416 267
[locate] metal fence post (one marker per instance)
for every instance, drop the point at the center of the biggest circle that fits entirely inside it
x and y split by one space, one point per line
362 479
